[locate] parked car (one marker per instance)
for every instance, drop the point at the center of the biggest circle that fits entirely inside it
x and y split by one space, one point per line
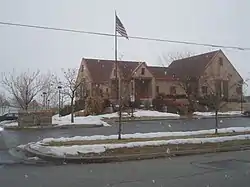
9 116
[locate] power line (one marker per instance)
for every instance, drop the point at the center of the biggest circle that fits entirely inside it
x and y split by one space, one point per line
131 37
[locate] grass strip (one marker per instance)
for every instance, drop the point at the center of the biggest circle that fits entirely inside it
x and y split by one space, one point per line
114 141
171 148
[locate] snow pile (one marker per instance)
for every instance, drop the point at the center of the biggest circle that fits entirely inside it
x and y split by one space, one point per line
230 113
100 148
147 135
12 123
150 113
79 120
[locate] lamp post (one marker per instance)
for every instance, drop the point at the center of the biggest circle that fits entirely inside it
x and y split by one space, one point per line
132 98
48 103
44 100
59 99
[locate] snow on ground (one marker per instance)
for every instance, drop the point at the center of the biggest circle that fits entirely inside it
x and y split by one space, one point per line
96 120
230 113
100 148
9 123
89 120
149 113
147 135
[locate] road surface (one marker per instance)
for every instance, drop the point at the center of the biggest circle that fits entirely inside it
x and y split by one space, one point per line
210 170
14 138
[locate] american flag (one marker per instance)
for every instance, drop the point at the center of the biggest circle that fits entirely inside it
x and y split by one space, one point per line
120 28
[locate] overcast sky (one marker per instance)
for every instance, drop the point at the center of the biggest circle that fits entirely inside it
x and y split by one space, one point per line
223 22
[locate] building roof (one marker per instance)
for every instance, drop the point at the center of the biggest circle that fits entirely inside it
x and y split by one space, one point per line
99 70
127 67
160 72
193 66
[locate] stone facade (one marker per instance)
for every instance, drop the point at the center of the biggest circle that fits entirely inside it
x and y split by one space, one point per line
34 118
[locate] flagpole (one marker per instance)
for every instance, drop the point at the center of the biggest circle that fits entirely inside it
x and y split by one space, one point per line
118 85
116 64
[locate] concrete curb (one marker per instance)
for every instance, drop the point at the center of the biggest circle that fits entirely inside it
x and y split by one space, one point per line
127 119
120 158
55 127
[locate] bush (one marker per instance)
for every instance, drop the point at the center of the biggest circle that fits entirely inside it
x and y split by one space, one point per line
137 103
183 96
94 105
158 103
147 105
106 103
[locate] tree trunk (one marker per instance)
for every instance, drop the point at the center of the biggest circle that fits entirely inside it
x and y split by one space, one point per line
72 109
216 121
26 107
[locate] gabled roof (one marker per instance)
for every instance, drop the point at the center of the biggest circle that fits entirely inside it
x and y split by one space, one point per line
193 66
160 72
99 70
127 67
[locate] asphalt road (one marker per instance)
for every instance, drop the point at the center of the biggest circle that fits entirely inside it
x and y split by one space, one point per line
210 170
13 138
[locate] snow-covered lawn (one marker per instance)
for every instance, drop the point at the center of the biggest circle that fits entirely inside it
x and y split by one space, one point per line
230 113
98 119
147 135
100 148
89 120
149 113
8 123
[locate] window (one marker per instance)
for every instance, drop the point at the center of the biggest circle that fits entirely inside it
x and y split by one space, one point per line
157 89
221 61
101 92
172 90
204 90
239 90
82 69
225 88
107 89
229 76
218 90
142 71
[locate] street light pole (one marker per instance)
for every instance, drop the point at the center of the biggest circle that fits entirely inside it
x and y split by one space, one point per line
44 100
59 99
132 98
48 104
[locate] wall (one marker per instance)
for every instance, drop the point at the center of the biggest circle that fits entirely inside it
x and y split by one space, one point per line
138 71
83 73
34 118
224 72
164 87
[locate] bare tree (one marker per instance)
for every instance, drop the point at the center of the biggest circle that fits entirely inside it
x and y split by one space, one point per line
25 86
172 56
48 96
215 97
3 103
186 83
70 84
